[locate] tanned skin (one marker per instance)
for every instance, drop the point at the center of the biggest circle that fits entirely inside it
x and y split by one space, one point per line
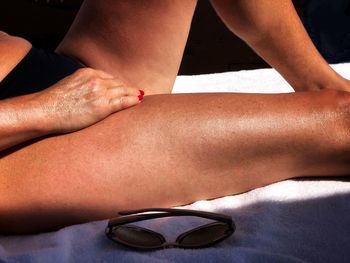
171 149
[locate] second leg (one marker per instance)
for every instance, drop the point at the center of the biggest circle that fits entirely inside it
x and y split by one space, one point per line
139 41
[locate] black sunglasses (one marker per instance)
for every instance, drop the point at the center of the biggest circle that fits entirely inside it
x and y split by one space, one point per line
142 238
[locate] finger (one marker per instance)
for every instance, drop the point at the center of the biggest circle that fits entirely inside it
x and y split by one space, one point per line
119 91
121 103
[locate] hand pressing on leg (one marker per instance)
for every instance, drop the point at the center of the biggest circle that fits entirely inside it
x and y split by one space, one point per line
84 98
74 103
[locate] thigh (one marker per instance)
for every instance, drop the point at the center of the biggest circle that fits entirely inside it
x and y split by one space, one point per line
129 160
141 41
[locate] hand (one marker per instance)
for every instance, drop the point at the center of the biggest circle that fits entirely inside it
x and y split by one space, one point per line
84 98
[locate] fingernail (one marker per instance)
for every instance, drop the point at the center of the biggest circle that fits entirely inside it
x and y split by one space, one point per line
142 93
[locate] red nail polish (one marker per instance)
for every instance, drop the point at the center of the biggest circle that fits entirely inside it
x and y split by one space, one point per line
142 92
140 97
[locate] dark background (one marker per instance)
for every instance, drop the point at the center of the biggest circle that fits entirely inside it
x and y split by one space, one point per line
210 48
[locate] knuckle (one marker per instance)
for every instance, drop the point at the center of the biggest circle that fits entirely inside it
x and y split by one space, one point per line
96 90
84 72
97 107
94 83
95 104
123 102
92 95
120 102
123 90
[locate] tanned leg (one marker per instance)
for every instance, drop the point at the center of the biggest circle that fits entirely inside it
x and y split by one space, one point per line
140 41
172 150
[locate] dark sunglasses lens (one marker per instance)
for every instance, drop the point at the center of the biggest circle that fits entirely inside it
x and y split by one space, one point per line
206 235
136 236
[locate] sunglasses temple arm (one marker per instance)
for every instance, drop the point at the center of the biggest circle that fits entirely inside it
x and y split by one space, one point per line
135 218
177 212
183 212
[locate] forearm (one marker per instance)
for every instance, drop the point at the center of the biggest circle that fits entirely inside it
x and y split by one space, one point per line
273 29
21 119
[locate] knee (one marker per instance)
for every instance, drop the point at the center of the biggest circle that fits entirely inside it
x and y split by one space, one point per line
343 111
341 115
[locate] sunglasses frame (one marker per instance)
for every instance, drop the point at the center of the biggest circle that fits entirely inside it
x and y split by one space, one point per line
131 216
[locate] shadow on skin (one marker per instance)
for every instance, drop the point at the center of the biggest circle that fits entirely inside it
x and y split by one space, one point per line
17 147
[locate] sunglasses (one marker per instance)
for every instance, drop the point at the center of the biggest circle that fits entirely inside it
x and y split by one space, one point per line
121 231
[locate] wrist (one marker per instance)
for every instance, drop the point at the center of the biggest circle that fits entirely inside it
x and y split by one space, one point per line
38 120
